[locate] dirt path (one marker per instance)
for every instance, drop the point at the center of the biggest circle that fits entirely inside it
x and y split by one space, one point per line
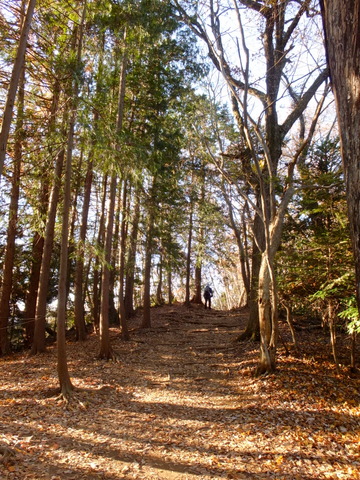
180 404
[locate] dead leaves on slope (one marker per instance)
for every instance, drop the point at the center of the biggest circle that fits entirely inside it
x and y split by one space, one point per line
178 406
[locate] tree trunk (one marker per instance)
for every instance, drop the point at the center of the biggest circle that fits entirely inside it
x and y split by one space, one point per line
97 268
353 352
200 243
40 316
159 296
198 291
32 291
241 248
114 317
79 270
14 82
123 234
39 238
332 327
342 34
169 280
146 322
267 320
188 258
12 225
106 351
252 330
289 321
66 386
130 262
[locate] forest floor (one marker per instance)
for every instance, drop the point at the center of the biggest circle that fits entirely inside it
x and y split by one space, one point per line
182 403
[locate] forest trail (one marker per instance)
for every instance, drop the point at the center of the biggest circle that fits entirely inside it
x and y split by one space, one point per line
180 404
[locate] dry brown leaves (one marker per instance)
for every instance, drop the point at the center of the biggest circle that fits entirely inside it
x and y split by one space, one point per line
181 404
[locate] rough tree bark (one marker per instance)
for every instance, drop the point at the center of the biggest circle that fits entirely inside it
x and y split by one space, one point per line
341 20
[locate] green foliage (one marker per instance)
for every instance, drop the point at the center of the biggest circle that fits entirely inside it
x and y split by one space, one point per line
351 314
315 264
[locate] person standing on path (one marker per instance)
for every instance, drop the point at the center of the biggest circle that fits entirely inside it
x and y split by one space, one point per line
208 293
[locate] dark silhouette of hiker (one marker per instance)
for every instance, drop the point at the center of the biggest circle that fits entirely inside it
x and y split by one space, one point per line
208 293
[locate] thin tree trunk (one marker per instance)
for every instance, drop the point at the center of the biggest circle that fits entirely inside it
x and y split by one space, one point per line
198 278
200 245
353 352
159 296
40 317
39 238
123 235
169 281
188 258
130 262
31 294
106 351
14 82
241 248
291 325
252 330
66 386
97 270
79 270
332 328
146 322
105 347
38 344
12 225
114 317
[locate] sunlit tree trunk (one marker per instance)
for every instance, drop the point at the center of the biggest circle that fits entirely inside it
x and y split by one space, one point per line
66 386
159 289
252 330
123 235
79 269
240 243
169 281
39 237
38 345
114 318
130 262
7 280
96 291
342 34
106 351
32 291
198 272
188 257
14 82
146 321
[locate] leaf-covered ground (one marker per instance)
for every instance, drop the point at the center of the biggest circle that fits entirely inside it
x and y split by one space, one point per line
181 404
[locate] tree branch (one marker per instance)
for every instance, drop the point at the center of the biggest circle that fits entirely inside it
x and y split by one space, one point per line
303 102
